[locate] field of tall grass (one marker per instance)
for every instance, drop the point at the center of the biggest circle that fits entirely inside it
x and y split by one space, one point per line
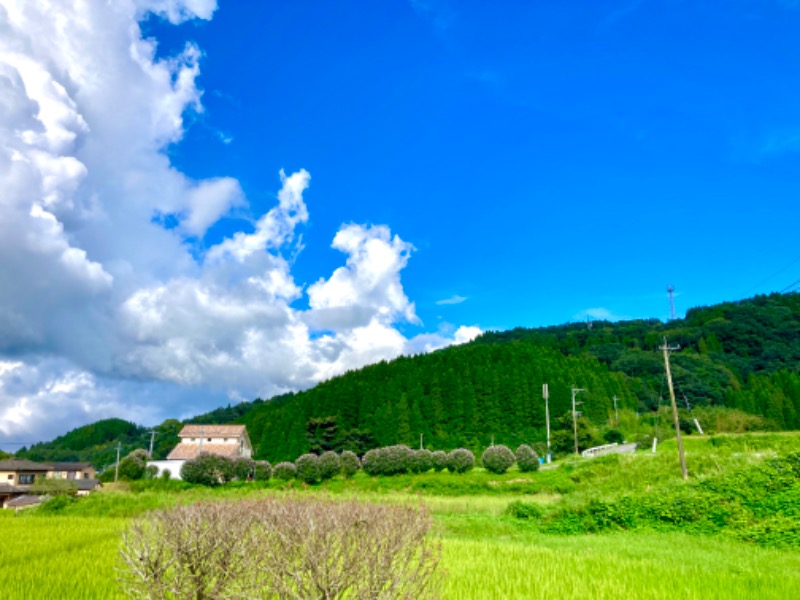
70 550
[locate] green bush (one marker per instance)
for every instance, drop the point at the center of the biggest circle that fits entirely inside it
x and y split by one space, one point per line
151 472
284 471
207 469
54 487
262 470
613 436
391 460
134 465
421 461
308 468
330 465
439 460
527 459
524 510
460 460
497 459
350 463
166 475
242 468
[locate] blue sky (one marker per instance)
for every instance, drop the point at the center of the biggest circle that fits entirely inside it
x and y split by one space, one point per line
207 202
543 158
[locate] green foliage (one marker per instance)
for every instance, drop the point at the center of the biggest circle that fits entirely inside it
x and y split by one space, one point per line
350 464
439 460
330 465
524 510
422 461
45 486
242 468
497 459
527 459
134 465
460 460
308 468
262 470
208 469
285 471
613 436
166 475
391 460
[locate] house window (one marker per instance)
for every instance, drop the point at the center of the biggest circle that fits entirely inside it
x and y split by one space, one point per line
26 479
208 440
86 476
224 439
194 440
11 476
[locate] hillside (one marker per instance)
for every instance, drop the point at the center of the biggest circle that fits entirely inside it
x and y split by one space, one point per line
738 355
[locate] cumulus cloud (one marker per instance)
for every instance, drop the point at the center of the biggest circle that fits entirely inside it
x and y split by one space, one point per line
104 310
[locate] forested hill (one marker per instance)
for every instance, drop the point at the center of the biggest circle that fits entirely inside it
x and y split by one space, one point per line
743 355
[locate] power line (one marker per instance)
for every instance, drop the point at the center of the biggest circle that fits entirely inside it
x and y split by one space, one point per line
775 274
787 289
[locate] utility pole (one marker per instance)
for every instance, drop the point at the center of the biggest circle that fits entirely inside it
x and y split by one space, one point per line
575 392
116 469
667 349
616 413
546 394
152 439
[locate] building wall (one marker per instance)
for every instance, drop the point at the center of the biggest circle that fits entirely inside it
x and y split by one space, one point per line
174 467
13 477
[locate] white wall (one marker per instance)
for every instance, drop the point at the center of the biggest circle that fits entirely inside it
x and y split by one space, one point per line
174 467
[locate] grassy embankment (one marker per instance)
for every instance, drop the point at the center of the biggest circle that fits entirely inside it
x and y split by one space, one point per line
71 553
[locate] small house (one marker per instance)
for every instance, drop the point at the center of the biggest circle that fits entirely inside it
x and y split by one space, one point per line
230 441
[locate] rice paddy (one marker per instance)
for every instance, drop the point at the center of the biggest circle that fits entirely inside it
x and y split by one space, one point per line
486 554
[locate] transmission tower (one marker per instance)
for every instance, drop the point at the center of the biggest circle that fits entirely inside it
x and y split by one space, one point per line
671 292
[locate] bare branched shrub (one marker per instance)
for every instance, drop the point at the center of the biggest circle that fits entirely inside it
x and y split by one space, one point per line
191 552
281 548
312 549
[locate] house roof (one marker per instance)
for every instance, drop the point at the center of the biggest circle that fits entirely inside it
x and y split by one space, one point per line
190 451
23 501
70 466
23 464
213 431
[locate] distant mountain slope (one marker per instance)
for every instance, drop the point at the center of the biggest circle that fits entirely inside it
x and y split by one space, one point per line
743 355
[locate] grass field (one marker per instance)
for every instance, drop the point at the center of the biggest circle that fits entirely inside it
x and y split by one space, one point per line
486 554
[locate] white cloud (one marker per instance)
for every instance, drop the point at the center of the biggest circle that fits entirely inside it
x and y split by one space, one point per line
454 299
106 312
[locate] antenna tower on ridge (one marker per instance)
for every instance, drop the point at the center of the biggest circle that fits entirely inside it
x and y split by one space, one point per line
671 292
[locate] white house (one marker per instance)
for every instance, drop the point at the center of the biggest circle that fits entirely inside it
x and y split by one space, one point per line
230 441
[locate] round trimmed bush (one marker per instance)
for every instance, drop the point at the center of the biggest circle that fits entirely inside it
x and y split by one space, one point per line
242 468
308 468
497 459
422 461
350 463
460 460
329 465
262 470
166 475
207 469
284 471
371 463
614 436
151 472
527 459
439 460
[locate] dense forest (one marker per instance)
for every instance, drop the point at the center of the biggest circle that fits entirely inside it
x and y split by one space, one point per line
739 355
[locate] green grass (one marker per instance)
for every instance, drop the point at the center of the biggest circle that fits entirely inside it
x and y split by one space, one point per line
72 552
483 557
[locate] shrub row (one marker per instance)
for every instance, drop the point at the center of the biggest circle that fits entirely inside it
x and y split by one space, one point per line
210 469
310 468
